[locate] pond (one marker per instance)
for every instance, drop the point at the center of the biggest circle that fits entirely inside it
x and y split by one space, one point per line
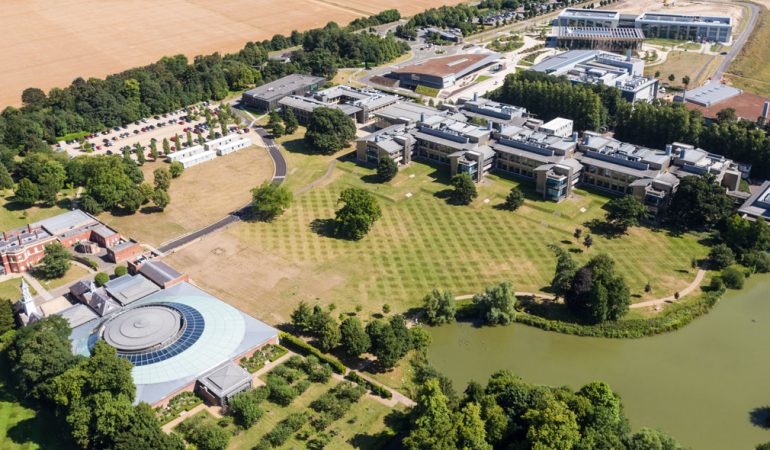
700 384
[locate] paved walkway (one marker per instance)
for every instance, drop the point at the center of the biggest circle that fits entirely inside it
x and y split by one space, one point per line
169 427
41 291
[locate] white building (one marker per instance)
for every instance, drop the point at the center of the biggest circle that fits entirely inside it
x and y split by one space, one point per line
559 127
233 147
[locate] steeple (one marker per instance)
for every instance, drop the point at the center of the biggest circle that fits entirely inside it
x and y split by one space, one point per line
30 308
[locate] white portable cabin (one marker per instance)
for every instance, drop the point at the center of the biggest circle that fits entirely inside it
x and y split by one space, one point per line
233 147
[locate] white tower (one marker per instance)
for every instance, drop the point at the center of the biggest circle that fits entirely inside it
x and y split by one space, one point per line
30 308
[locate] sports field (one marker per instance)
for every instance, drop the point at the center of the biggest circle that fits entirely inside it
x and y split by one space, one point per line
48 43
420 243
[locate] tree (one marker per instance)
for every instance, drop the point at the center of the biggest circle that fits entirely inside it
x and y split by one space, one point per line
469 427
290 121
353 338
162 178
553 425
721 256
269 201
147 191
38 353
496 304
154 149
514 199
166 147
209 436
386 169
244 407
357 215
649 439
275 124
624 212
732 278
588 241
176 169
686 81
565 271
439 307
101 278
329 130
161 199
7 320
133 199
328 335
433 425
144 433
727 116
6 182
89 205
597 293
51 180
190 142
301 318
120 271
27 193
464 190
699 203
140 156
384 343
671 77
33 97
56 262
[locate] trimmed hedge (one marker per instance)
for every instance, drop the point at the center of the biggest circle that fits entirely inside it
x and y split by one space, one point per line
376 389
305 348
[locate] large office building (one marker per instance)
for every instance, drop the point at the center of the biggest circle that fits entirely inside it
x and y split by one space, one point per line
610 39
21 248
267 96
548 153
757 206
444 71
359 104
177 338
599 67
651 24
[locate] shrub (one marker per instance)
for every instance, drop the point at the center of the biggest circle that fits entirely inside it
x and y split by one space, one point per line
285 428
319 442
732 278
176 168
244 407
287 373
208 436
302 386
305 348
376 389
759 262
281 392
101 279
717 285
721 256
121 270
90 263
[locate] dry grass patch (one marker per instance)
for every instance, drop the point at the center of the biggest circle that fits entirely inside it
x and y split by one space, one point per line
751 68
694 65
203 194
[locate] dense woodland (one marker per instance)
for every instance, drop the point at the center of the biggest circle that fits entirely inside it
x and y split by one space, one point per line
648 124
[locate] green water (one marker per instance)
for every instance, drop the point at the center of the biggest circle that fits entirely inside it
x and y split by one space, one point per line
699 384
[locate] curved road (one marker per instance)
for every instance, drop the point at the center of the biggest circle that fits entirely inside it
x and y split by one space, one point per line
739 42
279 174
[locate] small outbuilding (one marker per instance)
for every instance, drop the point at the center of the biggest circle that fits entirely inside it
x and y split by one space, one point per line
223 382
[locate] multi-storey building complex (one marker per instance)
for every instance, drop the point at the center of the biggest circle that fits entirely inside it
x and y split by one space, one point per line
267 96
359 104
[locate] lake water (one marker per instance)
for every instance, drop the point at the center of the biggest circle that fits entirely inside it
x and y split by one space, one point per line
699 384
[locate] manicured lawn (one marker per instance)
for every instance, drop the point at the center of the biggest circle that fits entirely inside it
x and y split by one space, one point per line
305 165
10 289
75 273
421 243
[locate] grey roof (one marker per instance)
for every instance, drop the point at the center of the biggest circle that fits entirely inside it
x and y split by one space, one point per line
101 302
225 379
124 245
130 288
598 33
104 231
310 104
80 288
758 205
711 93
284 86
159 272
569 58
66 222
78 315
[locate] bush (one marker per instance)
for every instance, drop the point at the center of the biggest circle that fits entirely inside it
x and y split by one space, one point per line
717 285
758 262
376 389
302 386
319 442
121 270
244 407
732 278
208 436
101 279
285 428
176 168
89 262
721 256
281 393
305 348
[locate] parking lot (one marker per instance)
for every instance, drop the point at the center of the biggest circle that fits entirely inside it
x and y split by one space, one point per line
144 131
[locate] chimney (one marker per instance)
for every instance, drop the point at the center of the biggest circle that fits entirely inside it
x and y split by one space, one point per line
766 110
574 136
668 149
422 117
489 124
475 96
628 54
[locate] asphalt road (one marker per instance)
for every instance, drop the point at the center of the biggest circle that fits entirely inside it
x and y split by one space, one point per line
279 174
739 42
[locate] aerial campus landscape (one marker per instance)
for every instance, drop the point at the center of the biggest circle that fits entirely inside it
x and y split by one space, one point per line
381 225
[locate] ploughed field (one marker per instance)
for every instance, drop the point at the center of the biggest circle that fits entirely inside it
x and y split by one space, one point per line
48 43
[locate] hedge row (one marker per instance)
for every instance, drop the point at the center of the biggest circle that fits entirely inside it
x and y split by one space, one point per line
376 389
674 318
305 348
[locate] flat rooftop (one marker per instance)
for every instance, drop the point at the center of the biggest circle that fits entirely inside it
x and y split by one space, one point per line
589 13
684 18
66 222
746 105
565 59
711 94
284 86
598 33
447 65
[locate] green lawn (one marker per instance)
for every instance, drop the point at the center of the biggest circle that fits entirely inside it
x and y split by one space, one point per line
75 273
22 428
422 243
11 289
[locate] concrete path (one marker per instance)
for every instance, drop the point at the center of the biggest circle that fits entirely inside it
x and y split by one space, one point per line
41 291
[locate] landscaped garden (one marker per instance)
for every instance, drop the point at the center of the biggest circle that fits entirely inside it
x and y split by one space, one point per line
177 405
268 353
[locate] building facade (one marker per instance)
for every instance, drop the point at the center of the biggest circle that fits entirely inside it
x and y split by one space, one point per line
266 97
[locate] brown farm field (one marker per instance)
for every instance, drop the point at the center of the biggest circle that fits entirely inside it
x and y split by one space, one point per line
49 43
201 195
